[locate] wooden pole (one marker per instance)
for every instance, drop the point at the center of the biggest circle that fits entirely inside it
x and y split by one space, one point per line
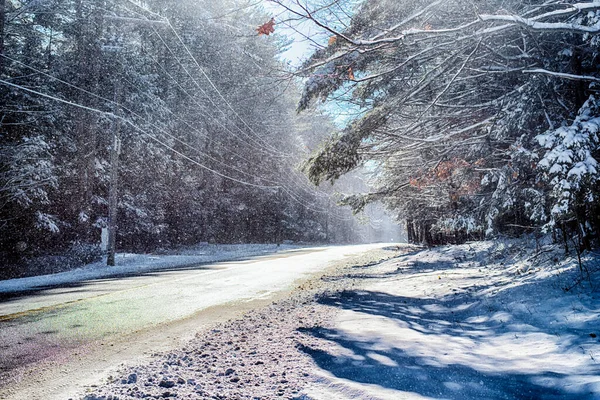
113 201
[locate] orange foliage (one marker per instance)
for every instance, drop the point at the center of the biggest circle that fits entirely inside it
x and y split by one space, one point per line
446 172
446 169
267 28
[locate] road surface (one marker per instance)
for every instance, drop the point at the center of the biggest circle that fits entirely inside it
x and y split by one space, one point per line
55 341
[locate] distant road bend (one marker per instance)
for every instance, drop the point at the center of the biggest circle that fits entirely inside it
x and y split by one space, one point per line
56 340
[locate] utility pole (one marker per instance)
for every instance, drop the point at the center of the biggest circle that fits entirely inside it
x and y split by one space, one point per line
113 200
115 151
327 240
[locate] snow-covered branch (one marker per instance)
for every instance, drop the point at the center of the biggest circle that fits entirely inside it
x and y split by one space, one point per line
562 75
533 24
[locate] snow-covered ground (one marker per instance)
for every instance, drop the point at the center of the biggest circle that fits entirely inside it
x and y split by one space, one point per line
128 264
479 321
490 320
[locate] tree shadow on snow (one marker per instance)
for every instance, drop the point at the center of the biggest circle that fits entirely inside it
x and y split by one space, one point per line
413 374
412 368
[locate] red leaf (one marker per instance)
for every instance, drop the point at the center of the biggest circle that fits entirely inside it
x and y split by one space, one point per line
267 28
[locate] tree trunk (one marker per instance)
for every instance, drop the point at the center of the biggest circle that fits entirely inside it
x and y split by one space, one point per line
89 32
2 19
409 231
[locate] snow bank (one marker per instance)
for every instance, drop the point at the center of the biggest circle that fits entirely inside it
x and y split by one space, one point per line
490 320
138 263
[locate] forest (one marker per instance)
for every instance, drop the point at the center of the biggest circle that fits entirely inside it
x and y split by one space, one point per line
181 121
478 119
180 106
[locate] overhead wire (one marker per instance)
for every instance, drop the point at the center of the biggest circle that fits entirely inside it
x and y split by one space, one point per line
312 191
257 145
304 184
215 87
129 122
286 189
137 115
210 82
317 192
184 91
154 138
277 184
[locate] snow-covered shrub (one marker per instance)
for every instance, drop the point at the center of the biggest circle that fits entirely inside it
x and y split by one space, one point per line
83 253
458 223
569 164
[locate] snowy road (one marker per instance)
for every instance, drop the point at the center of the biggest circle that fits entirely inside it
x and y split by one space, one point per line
121 319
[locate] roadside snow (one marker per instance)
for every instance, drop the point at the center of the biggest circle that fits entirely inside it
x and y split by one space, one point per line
138 263
478 321
490 320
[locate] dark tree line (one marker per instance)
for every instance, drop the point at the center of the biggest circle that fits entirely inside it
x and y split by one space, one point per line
205 122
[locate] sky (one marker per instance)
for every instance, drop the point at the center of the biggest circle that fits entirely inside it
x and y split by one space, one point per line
300 49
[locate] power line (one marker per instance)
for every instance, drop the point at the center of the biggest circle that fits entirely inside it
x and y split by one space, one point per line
198 104
133 125
127 121
277 183
135 114
287 189
293 176
215 105
214 86
258 145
